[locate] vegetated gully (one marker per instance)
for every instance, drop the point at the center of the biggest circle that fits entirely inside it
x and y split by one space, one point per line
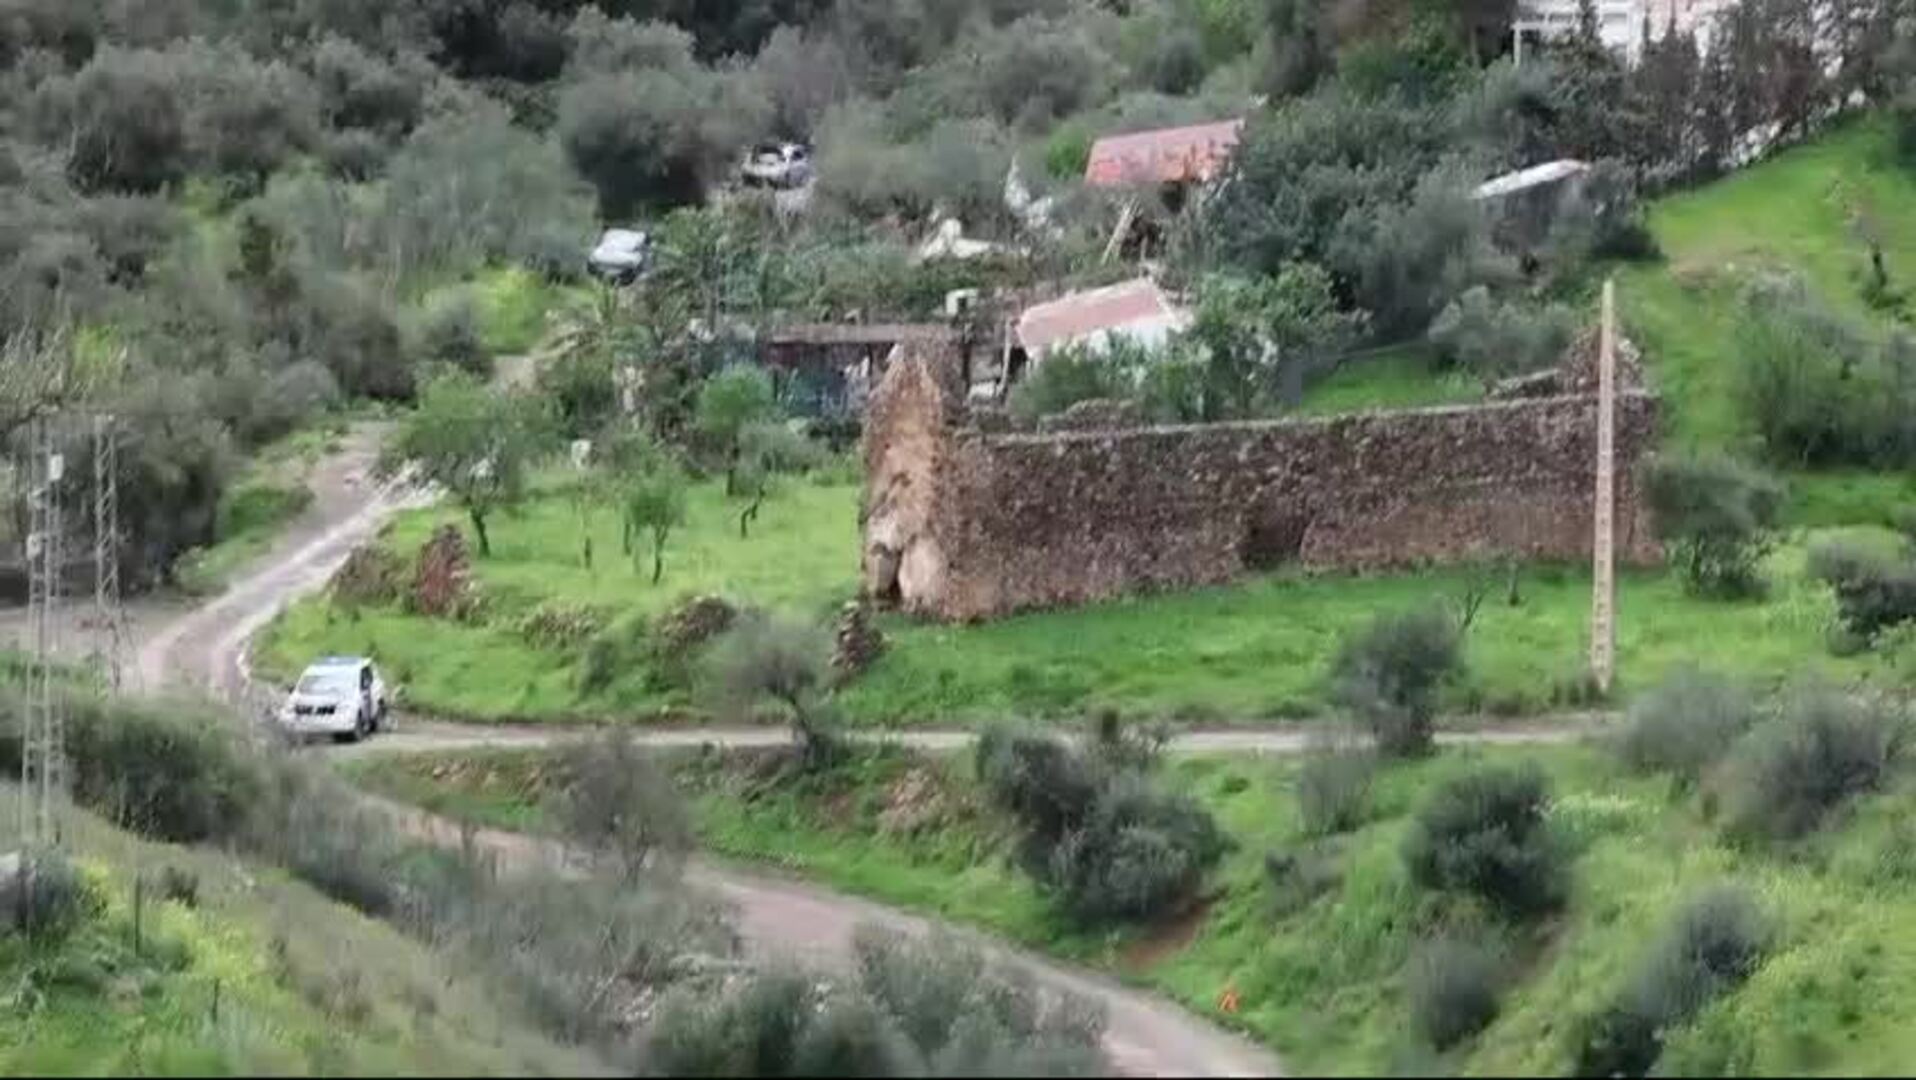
206 650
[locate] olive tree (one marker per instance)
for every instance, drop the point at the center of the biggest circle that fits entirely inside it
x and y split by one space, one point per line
654 505
729 404
477 445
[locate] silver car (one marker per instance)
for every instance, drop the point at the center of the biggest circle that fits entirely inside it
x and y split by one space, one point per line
621 257
341 696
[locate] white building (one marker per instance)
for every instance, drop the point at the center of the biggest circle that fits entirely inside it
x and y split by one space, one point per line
1621 23
1135 309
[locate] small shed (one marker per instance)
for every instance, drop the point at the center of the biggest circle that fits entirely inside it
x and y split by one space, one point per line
824 370
1524 204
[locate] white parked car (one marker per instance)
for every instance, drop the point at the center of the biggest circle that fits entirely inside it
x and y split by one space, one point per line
621 257
779 165
341 696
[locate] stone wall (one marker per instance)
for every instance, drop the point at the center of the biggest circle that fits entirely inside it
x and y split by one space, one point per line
960 523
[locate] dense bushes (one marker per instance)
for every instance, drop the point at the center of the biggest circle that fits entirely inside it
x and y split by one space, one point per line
156 768
1824 749
1714 943
45 898
1716 516
1817 389
913 1008
1486 834
1493 340
1095 832
1874 590
1454 988
1389 673
1685 724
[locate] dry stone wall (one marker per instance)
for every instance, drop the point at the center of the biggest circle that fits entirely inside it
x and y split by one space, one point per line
961 523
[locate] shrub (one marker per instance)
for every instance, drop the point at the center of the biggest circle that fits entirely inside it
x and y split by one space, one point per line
159 769
1684 724
1333 790
1823 750
1390 672
1493 340
47 898
1485 834
1300 876
1064 378
180 886
123 117
445 186
1453 987
1716 515
912 1008
448 331
619 805
1715 942
1095 833
789 663
1137 855
1874 591
1819 390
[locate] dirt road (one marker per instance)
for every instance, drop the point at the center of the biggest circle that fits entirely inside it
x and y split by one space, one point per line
414 735
206 649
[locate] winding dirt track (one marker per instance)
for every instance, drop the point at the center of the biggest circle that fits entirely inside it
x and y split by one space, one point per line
205 650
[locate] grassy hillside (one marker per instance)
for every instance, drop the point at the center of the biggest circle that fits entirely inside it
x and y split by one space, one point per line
1805 211
244 973
801 557
1321 981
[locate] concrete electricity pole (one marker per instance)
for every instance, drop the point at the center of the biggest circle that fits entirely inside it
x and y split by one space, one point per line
1603 625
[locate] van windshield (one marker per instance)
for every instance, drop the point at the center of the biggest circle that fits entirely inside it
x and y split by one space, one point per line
326 683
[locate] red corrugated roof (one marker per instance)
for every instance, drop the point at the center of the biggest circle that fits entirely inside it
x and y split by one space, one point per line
1085 313
1165 156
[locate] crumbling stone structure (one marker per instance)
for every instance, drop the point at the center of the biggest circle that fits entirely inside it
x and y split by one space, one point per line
965 523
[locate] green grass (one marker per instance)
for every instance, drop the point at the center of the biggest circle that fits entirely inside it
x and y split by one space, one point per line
1322 983
1396 378
1255 650
1796 212
514 304
1260 649
801 557
259 976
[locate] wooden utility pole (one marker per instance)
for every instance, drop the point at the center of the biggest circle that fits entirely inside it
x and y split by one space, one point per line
1603 625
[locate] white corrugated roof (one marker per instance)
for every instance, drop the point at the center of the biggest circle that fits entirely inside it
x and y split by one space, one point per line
1549 172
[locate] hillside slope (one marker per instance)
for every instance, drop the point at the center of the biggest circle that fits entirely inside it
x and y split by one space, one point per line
236 969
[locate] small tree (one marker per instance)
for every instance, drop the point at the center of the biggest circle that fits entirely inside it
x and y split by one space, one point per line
477 445
655 505
729 404
1494 340
1716 515
766 452
789 663
619 805
1486 833
1390 672
1263 338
